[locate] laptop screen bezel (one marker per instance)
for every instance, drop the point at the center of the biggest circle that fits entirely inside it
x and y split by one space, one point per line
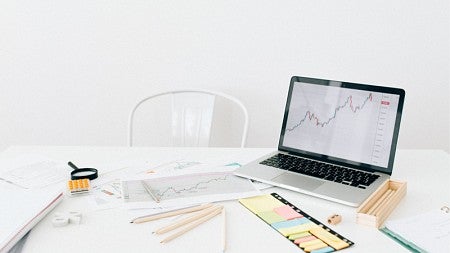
336 160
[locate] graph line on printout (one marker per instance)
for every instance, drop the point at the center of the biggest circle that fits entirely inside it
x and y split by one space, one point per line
312 117
162 193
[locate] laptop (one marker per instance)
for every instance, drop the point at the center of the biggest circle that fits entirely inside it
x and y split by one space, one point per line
337 141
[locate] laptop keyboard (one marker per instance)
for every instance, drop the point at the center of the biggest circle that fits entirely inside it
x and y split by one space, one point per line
321 170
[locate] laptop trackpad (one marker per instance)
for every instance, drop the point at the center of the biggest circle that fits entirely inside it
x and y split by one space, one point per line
298 181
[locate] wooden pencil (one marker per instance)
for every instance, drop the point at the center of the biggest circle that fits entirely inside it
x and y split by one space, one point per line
153 217
375 206
193 225
187 220
224 231
382 205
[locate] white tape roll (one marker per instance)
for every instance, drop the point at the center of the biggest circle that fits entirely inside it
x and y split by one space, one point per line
75 219
60 221
75 214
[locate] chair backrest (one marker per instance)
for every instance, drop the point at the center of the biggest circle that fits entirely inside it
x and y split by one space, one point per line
192 114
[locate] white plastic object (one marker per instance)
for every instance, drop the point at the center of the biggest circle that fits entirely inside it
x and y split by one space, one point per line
60 221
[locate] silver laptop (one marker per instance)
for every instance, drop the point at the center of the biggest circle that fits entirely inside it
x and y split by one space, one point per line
337 141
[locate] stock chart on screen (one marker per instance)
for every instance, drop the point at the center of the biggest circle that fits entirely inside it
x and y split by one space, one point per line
341 122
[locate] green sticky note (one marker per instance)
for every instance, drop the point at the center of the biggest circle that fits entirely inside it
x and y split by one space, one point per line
271 217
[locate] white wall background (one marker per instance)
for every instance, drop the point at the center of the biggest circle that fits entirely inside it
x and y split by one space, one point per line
71 70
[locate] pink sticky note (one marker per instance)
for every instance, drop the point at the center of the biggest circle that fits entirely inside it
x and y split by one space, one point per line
287 212
305 239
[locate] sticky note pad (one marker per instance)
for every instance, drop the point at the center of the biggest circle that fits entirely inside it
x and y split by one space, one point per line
262 203
307 233
297 229
289 223
305 239
323 250
298 235
310 242
270 217
287 212
329 238
316 246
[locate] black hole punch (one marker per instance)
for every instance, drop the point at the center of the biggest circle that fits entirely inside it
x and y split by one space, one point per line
81 173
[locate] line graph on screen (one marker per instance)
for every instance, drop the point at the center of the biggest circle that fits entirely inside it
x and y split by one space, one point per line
311 116
350 124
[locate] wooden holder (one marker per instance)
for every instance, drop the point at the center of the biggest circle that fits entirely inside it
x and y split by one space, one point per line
375 210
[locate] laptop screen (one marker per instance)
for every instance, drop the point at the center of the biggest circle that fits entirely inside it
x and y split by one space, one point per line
350 124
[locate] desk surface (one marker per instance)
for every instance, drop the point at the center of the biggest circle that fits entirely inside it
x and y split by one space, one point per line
426 171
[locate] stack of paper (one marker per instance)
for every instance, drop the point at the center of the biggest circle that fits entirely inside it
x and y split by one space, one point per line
428 232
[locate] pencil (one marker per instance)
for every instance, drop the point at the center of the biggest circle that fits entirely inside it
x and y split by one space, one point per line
377 210
193 225
378 202
149 191
153 217
224 231
187 220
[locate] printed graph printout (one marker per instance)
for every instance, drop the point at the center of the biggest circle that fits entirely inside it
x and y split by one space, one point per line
186 189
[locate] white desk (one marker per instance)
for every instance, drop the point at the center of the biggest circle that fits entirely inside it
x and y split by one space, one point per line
426 171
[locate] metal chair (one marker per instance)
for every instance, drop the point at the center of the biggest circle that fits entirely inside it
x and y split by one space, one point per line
192 116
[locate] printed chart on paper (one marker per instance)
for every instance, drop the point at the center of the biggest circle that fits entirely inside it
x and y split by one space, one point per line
189 186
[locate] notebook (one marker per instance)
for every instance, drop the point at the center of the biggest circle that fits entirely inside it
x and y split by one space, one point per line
21 210
337 141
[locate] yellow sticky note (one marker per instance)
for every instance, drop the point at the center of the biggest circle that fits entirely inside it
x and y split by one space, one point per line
309 243
271 217
315 247
262 203
298 235
329 238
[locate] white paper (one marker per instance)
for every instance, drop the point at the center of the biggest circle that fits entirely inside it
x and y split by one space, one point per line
429 231
106 191
33 171
188 187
